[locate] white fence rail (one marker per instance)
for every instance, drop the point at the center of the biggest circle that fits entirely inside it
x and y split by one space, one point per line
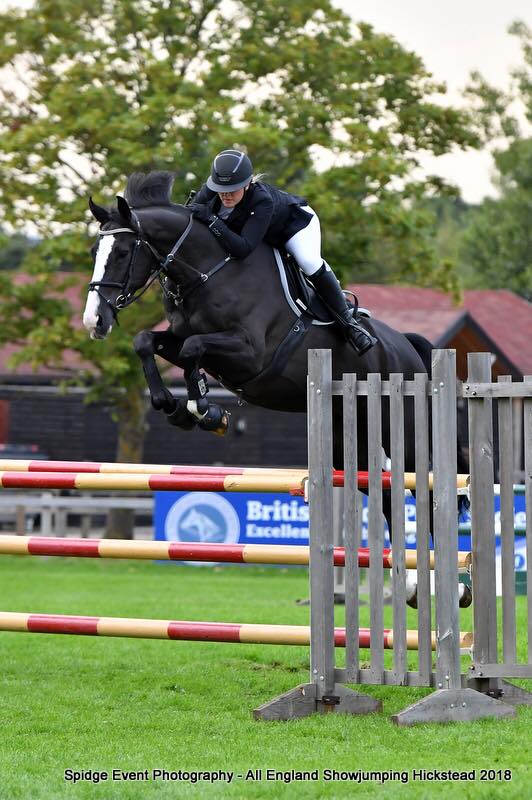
18 511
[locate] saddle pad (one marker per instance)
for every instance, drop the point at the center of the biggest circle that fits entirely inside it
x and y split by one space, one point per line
300 295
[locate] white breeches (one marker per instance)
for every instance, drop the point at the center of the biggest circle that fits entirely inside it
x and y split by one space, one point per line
305 245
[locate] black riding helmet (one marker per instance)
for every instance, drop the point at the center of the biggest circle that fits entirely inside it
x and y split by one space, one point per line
231 170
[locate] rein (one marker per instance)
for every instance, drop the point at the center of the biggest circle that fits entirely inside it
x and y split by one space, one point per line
126 298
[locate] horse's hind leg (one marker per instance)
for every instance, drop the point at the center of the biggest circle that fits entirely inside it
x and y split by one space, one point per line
166 345
409 466
465 597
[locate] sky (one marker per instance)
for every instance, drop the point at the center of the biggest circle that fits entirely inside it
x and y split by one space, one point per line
453 38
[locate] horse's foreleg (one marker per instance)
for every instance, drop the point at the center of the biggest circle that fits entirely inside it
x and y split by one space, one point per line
230 346
208 416
166 345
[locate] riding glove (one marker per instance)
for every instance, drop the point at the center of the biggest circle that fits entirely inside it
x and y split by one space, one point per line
202 212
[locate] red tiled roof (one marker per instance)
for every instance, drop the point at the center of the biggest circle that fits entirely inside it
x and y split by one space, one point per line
71 361
504 316
507 319
434 326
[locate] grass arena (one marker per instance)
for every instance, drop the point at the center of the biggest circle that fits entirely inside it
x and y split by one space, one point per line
83 702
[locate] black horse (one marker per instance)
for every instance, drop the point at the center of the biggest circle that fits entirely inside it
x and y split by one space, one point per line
228 317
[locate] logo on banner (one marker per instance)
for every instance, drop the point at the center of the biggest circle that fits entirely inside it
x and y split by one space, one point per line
203 517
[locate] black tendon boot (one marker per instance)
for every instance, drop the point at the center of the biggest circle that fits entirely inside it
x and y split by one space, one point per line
328 288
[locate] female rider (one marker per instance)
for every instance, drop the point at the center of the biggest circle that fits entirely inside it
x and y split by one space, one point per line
242 212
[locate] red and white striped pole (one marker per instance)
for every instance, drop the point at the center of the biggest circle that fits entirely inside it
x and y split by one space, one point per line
191 631
214 479
192 551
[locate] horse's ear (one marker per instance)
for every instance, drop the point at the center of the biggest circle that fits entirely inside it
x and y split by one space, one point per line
99 212
123 208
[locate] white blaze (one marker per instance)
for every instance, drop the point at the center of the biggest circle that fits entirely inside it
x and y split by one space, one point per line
90 315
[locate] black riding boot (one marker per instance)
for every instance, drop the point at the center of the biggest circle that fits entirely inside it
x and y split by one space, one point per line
329 290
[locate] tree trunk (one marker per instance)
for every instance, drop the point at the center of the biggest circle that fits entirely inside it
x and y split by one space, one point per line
131 411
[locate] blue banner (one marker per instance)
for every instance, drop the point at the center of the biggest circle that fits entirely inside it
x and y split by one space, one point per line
259 518
244 517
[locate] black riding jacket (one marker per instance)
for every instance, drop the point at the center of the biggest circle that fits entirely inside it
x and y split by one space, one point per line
265 213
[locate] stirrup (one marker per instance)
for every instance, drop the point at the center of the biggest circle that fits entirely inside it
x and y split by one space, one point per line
358 337
361 349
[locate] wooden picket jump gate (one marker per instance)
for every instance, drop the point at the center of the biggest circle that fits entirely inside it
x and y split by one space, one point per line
458 695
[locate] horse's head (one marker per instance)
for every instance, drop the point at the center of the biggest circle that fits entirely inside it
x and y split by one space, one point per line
123 259
131 247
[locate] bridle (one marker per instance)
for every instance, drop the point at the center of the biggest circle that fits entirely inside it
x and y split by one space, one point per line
159 272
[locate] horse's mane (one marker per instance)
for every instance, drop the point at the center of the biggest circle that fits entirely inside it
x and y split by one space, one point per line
149 189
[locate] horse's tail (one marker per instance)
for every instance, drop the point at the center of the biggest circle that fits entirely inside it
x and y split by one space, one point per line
424 349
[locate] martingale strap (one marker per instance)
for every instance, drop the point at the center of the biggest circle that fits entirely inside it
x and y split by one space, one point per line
202 278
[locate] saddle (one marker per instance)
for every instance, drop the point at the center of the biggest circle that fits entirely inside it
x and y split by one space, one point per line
309 309
301 295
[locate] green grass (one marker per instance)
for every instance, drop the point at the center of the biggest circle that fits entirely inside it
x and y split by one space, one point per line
72 702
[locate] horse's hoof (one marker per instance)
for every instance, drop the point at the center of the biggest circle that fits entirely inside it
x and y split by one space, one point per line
224 426
465 596
411 587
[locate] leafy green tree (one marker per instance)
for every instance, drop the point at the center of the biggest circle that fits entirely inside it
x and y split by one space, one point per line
113 87
497 243
95 90
450 215
496 247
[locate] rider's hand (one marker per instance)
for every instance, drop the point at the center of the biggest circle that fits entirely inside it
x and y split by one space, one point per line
201 212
